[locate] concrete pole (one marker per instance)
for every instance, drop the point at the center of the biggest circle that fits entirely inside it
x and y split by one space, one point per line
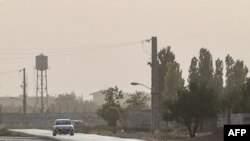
24 98
154 87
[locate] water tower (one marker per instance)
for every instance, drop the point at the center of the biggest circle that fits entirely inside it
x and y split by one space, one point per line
41 83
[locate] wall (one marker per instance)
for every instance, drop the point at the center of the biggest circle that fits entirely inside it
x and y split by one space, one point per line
46 120
240 118
136 119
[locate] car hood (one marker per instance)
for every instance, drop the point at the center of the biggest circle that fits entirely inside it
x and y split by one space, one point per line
63 126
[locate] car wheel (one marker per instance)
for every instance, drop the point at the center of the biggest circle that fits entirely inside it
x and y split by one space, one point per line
72 134
54 134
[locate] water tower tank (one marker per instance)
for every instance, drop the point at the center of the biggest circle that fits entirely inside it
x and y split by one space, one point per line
41 62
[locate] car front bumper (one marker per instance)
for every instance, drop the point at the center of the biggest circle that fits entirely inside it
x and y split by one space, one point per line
63 131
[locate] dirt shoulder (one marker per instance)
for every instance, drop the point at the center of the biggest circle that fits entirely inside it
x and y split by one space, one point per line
217 135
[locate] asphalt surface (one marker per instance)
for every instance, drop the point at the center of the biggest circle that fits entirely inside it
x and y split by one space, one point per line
47 134
2 138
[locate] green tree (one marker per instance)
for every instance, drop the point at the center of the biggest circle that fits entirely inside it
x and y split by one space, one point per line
201 70
240 73
229 89
218 82
112 96
206 67
138 101
218 77
165 56
205 71
236 78
112 114
193 71
170 79
173 81
196 102
192 106
245 100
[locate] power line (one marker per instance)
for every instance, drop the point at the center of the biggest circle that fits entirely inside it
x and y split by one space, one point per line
20 52
17 50
15 58
78 51
8 72
143 48
35 49
95 49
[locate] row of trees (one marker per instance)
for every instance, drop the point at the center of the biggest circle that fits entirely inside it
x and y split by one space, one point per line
70 103
63 103
204 96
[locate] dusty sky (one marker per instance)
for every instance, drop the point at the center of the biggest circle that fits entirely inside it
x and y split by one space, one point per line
82 28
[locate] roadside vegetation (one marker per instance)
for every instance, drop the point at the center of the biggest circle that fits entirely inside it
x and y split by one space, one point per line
110 111
4 131
204 97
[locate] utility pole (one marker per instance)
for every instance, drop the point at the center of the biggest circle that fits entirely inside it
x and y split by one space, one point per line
24 98
154 87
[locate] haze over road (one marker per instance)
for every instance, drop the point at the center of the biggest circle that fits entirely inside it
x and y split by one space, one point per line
76 137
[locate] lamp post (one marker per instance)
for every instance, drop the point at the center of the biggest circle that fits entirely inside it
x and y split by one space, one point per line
24 111
135 83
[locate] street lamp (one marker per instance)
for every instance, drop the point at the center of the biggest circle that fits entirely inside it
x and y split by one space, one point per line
24 109
135 83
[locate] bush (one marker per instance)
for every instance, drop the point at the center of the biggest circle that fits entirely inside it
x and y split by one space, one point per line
4 132
112 114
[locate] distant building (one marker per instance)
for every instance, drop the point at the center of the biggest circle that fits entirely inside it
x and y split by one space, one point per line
98 97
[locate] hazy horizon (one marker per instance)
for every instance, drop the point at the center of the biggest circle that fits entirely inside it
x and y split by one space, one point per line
75 35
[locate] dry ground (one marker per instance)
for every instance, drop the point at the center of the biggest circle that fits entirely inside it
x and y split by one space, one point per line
216 135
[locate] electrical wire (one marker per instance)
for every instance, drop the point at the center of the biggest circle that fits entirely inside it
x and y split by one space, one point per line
8 72
17 50
76 51
143 48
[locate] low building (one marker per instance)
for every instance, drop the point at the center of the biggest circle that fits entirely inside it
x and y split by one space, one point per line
98 97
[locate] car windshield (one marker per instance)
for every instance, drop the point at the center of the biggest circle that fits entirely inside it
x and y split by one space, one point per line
63 122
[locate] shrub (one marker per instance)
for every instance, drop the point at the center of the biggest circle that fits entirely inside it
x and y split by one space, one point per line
4 132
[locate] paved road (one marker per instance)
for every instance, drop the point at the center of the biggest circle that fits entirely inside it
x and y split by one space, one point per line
76 137
2 138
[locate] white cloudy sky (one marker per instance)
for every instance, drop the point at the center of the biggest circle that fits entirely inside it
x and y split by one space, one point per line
31 27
